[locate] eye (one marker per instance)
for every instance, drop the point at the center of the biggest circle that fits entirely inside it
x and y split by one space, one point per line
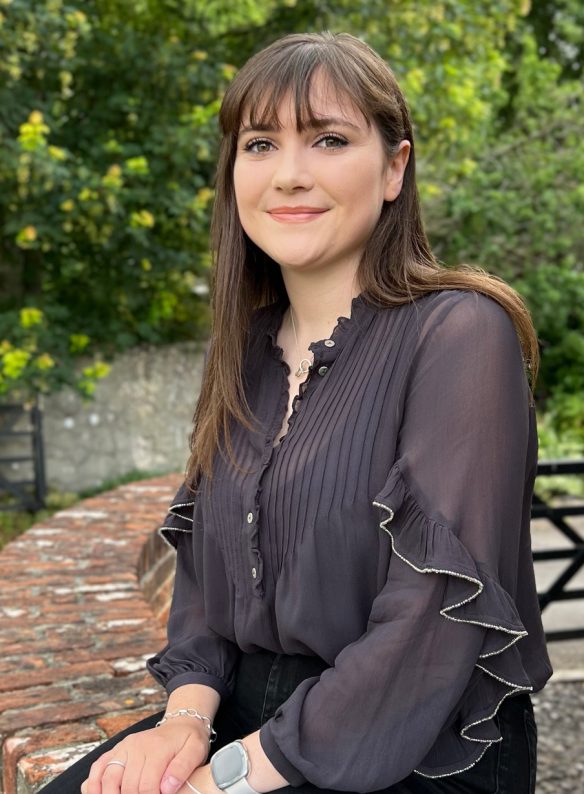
258 146
331 141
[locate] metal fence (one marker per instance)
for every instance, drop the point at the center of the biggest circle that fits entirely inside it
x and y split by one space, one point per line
22 469
574 554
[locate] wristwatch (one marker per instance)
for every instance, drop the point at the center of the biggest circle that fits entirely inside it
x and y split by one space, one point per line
229 767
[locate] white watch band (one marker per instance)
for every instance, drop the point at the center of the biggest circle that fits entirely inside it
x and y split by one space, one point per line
241 787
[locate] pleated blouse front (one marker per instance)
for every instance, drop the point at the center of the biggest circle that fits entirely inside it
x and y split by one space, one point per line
387 532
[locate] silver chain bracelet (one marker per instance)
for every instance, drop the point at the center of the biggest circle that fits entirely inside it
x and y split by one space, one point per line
189 713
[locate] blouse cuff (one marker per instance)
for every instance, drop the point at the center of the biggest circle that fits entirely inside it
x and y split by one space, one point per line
277 758
198 678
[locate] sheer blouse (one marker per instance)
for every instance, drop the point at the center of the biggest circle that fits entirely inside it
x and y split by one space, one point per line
388 533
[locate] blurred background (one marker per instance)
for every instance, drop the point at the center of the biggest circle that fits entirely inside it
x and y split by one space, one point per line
108 140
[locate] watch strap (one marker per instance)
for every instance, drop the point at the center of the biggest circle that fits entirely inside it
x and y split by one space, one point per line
240 787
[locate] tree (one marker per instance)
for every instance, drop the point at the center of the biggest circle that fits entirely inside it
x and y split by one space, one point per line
108 138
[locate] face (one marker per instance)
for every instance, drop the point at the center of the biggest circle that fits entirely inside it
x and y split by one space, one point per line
311 199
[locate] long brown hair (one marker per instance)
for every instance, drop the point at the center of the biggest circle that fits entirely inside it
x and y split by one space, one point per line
397 265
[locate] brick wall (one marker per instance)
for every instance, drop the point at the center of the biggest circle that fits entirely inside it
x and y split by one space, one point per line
83 600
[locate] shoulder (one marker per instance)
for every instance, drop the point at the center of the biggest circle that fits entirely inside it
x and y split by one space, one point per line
448 317
460 314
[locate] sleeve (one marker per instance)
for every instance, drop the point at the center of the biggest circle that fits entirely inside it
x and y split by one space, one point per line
194 654
417 692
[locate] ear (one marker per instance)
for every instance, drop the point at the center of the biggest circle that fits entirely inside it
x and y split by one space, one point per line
395 172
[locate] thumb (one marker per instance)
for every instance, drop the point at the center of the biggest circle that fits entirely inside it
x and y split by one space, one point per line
170 784
181 767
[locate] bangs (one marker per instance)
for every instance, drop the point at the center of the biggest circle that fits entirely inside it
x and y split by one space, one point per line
292 76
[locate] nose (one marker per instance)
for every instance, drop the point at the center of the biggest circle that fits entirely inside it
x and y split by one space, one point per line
291 170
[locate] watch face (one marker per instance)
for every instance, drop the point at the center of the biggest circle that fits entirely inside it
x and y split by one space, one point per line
229 764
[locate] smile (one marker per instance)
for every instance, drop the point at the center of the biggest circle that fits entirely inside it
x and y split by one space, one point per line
296 214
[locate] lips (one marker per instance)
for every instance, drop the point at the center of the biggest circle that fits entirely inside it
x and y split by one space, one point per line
296 214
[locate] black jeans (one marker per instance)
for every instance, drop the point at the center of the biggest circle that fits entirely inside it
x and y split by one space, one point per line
264 680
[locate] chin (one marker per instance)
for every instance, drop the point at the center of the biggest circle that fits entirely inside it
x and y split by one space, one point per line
296 260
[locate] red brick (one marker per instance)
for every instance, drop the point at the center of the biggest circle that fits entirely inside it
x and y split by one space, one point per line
52 675
65 653
31 697
40 768
18 746
113 724
47 715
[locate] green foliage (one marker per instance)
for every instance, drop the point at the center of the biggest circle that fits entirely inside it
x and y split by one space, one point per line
556 445
39 356
449 58
518 214
14 523
108 138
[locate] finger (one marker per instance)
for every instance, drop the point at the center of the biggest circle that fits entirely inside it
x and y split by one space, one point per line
93 784
152 772
192 755
132 774
111 780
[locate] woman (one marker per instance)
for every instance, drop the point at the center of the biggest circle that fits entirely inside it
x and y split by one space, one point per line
354 605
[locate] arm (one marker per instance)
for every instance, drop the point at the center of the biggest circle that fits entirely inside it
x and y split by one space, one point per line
416 692
194 654
196 667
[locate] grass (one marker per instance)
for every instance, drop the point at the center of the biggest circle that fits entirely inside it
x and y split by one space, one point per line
14 522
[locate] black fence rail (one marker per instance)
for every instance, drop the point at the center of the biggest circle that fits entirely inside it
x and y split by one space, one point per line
574 554
21 449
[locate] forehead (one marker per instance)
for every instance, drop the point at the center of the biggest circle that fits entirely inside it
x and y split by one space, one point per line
302 105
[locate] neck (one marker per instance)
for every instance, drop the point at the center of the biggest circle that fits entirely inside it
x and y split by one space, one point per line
317 303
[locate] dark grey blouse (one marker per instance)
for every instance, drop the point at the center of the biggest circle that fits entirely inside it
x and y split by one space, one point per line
388 533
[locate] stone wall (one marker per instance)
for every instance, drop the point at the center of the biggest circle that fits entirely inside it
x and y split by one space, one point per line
140 419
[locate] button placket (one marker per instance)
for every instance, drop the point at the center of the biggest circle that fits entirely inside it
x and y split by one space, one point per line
254 556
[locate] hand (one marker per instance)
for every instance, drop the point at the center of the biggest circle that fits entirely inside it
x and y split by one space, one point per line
202 781
158 760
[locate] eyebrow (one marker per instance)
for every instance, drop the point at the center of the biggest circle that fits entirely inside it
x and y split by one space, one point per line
314 124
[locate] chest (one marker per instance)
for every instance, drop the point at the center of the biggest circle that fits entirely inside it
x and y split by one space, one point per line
306 478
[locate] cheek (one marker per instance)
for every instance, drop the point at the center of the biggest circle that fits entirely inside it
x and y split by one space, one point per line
248 189
363 190
365 182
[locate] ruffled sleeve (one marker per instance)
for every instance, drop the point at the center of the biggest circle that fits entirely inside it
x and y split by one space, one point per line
474 596
418 691
179 517
194 654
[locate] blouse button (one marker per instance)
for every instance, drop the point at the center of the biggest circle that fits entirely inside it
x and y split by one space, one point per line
322 370
254 573
329 342
249 518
